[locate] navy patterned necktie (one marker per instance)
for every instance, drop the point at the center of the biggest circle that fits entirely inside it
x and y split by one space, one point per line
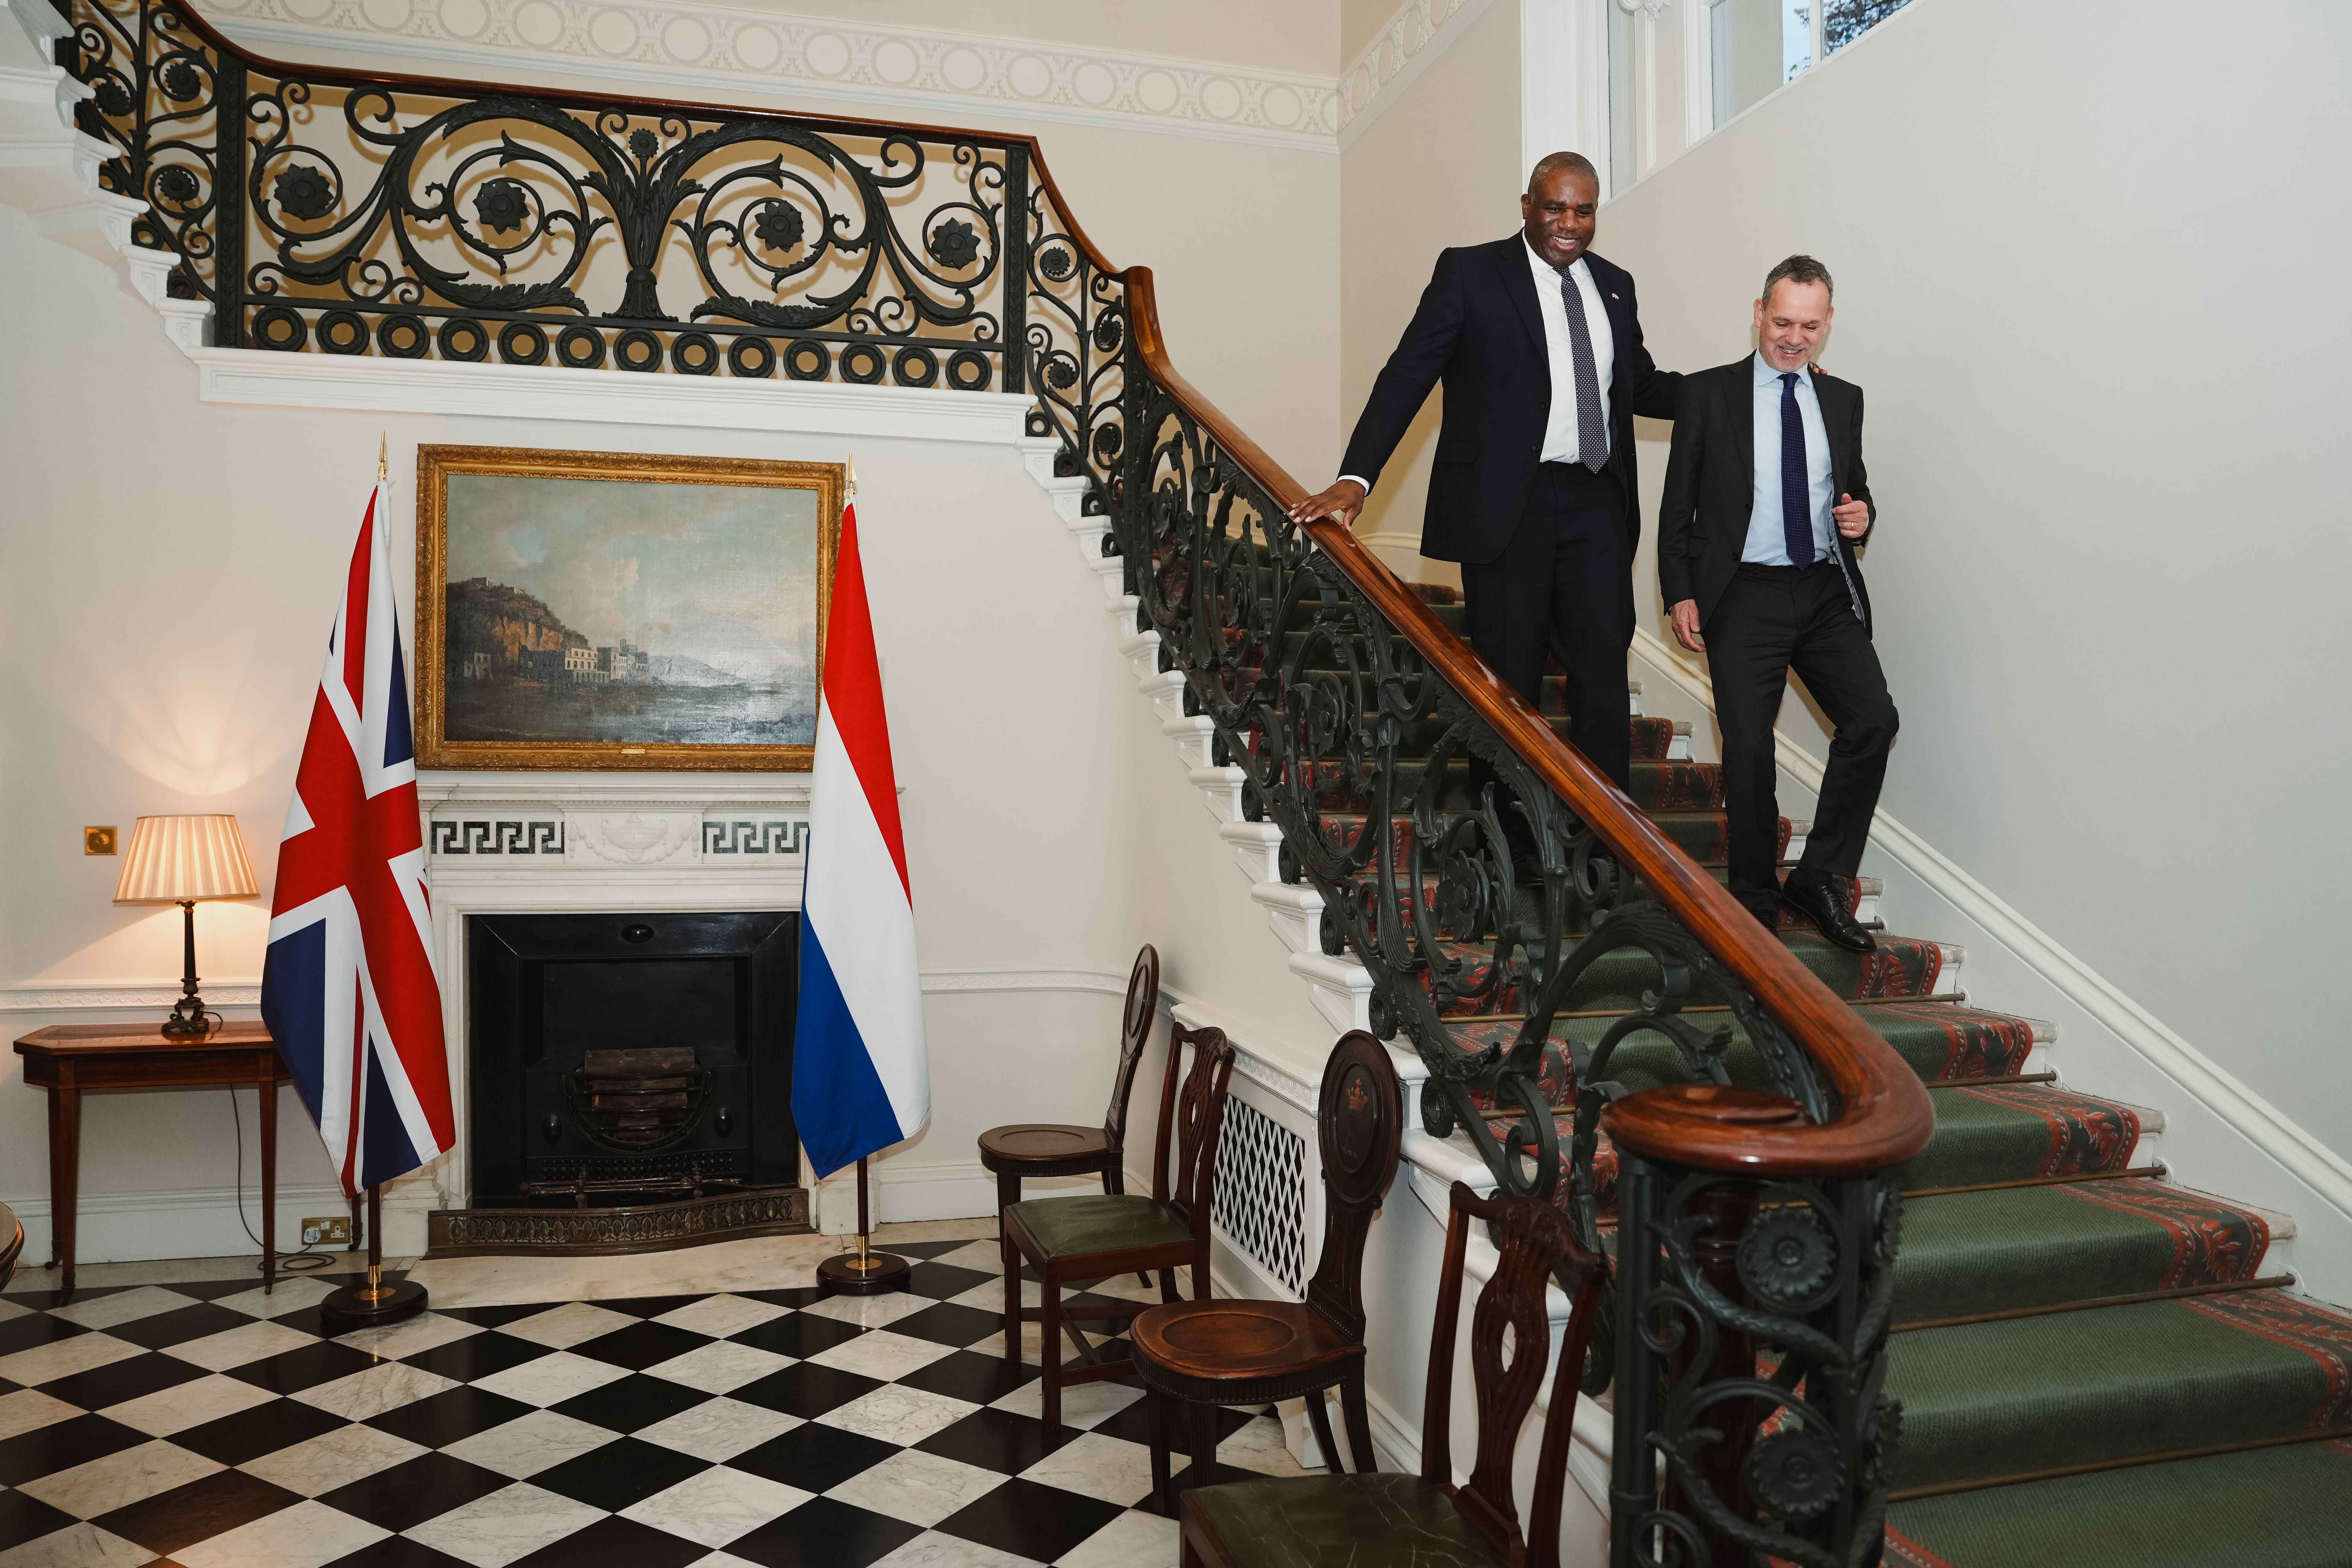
1591 435
1796 477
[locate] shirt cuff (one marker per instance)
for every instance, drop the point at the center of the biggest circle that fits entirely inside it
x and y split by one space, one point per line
1360 479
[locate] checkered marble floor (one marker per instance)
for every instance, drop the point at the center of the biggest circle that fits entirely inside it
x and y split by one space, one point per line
204 1425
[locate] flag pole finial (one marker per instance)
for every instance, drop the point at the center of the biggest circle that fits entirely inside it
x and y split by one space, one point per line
852 466
382 454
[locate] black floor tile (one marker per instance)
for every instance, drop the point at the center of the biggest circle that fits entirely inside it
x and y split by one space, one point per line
918 1250
946 1323
179 1325
24 1519
1029 1520
118 1381
197 1511
641 1345
33 1330
805 1391
823 1533
813 1458
626 1404
394 1551
970 1374
60 1446
42 1301
291 1372
648 1306
942 1280
477 1356
616 1542
453 1413
214 1289
795 1299
411 1493
494 1316
264 1429
622 1472
997 1440
798 1334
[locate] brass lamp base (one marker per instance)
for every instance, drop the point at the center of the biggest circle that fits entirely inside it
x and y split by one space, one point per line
862 1273
366 1306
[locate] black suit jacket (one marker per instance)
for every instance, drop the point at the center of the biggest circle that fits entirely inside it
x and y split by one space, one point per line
1479 330
1711 480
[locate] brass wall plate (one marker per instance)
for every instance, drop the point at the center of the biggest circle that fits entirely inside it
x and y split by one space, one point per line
98 841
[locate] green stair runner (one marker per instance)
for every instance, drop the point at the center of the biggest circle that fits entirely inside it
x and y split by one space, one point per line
2065 1310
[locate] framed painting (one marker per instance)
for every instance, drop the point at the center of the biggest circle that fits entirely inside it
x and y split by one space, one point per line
607 610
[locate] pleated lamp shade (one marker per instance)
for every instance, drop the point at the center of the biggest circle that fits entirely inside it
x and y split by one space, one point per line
175 859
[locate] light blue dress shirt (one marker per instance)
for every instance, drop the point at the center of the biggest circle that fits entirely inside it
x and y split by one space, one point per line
1768 543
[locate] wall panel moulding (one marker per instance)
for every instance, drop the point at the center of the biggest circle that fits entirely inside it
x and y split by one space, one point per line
715 52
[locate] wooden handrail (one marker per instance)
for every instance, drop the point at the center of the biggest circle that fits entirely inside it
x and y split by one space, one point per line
1884 1115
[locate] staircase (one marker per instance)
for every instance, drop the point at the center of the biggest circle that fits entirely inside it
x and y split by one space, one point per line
2091 1363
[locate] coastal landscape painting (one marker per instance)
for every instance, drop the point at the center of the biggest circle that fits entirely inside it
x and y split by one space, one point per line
612 610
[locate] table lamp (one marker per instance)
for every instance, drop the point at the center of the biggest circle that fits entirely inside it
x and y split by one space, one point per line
179 860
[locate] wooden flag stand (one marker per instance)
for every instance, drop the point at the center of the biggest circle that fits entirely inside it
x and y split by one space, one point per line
366 1306
868 1273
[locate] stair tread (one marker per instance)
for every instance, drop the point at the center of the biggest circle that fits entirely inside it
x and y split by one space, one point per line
2280 1507
2073 1388
2017 1131
2031 1246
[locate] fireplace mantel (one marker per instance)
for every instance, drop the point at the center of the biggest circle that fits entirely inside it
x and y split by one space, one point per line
587 843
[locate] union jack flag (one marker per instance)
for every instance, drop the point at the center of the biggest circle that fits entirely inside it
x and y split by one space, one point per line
348 989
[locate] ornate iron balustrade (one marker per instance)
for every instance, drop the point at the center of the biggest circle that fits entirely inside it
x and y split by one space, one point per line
344 213
1462 851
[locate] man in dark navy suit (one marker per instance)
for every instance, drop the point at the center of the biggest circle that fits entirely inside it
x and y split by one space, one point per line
1538 346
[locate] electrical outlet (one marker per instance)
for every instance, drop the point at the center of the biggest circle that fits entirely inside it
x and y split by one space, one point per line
98 840
335 1231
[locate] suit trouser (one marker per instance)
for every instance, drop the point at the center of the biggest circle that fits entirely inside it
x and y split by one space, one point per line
1564 586
1769 621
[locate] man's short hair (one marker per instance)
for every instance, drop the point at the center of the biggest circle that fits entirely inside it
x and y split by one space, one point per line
1798 269
1553 163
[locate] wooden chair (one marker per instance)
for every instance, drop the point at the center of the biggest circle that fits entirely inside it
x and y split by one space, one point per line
12 1244
1375 1520
1027 1149
1087 1237
1204 1354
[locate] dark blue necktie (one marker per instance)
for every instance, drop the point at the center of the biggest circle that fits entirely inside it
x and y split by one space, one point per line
1591 435
1796 486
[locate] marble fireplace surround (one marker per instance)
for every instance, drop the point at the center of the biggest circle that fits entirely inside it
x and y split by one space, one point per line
579 843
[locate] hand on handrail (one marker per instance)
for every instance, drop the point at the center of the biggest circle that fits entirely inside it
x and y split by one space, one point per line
1343 501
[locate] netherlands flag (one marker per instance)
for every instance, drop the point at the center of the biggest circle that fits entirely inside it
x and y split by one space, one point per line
348 988
861 1077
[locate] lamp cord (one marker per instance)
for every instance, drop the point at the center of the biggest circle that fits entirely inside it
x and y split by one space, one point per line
288 1263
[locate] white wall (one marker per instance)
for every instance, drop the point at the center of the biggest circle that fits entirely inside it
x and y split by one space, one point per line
2085 259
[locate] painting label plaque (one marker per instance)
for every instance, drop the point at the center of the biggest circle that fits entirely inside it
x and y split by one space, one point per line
609 610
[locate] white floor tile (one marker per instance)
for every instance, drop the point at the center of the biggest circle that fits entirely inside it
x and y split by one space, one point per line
530 1443
186 1404
882 1354
717 1506
919 1487
63 1358
932 1550
1098 1466
513 1522
235 1347
1083 1403
1133 1540
123 1306
332 1460
897 1415
561 1328
982 1255
304 1536
720 1316
553 1379
385 1386
720 1367
868 1311
286 1297
719 1430
411 1336
117 1481
28 1408
79 1546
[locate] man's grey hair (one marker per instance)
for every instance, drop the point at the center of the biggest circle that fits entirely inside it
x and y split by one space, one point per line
1554 162
1798 269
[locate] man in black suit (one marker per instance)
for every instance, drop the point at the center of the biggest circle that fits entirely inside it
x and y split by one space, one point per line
1766 504
1539 349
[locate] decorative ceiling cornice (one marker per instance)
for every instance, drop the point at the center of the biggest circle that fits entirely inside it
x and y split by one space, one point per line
1419 32
719 52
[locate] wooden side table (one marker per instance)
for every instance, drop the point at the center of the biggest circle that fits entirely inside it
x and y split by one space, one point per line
72 1059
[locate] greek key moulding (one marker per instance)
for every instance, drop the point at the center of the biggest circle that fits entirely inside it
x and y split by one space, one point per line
607 610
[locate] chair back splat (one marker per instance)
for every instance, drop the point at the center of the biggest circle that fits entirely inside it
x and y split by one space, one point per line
1510 1341
1195 1114
1360 1127
1134 1034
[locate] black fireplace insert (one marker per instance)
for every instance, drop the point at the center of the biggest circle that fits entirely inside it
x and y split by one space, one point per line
618 1061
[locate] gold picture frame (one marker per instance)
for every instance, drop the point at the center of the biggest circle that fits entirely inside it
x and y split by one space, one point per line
503 680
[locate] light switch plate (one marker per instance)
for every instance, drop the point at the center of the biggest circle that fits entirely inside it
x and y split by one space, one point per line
98 841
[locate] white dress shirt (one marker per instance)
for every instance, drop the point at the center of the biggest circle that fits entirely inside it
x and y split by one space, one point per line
1768 543
1559 441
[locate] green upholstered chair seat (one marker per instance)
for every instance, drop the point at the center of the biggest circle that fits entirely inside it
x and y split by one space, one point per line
1098 1222
1380 1520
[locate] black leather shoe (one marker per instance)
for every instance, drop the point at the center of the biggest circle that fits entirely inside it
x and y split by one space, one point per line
1818 897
